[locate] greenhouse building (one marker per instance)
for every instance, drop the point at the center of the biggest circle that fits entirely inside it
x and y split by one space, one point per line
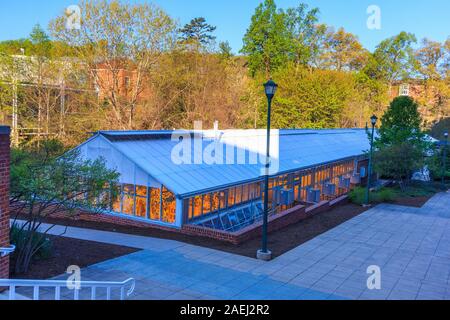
215 178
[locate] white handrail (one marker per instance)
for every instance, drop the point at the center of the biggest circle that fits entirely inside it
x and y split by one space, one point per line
58 284
6 251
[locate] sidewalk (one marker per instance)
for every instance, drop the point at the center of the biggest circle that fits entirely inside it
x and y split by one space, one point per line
411 246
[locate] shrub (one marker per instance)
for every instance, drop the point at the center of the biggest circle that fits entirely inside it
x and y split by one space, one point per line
22 237
358 195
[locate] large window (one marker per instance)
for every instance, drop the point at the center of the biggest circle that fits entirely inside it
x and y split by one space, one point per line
141 201
169 206
210 203
157 204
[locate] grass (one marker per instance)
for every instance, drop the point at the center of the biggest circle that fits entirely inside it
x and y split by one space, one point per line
390 194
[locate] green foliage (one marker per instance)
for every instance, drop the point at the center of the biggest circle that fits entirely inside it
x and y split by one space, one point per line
266 42
435 164
41 42
43 184
316 99
358 194
198 31
393 58
401 123
303 33
225 50
438 129
41 244
398 161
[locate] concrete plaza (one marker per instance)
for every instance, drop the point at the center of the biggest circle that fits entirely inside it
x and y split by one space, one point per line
410 245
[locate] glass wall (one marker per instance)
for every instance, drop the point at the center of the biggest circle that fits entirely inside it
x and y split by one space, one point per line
296 182
156 204
215 202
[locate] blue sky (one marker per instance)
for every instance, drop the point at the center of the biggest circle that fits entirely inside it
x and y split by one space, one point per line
425 18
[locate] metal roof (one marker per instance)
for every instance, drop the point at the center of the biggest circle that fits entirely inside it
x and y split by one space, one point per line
298 149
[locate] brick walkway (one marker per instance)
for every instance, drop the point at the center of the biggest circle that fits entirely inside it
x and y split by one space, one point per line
410 245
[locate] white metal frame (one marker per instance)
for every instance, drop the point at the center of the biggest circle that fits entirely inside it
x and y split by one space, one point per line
58 284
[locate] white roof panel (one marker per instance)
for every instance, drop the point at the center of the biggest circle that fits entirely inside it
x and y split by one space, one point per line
298 149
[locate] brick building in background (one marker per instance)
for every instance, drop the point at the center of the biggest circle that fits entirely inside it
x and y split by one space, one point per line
4 198
432 106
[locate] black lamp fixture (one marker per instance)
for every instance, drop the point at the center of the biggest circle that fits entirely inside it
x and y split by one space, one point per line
373 120
270 87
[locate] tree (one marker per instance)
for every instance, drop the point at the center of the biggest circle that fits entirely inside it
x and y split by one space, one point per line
401 145
400 123
398 161
266 41
393 58
43 185
198 31
304 34
430 57
127 39
225 50
343 51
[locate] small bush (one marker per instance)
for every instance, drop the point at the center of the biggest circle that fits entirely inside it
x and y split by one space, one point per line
358 195
20 237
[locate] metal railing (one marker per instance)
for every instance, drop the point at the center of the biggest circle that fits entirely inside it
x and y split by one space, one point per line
58 284
8 250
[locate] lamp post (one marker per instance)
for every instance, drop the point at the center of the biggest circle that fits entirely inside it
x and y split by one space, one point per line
444 158
270 87
373 121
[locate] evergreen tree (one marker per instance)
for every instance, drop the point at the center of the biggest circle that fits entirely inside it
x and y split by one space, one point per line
401 123
198 31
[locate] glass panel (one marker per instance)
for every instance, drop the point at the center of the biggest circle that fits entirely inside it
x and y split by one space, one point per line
231 197
154 203
116 204
141 207
206 203
245 193
141 191
169 206
128 188
197 206
215 201
128 204
222 197
190 208
238 196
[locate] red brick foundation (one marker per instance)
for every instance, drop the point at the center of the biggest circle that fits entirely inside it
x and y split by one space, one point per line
276 222
4 198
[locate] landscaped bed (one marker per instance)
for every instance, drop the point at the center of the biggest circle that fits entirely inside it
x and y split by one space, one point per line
66 252
280 241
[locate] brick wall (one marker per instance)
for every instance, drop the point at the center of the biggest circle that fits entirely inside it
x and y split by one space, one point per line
4 198
276 222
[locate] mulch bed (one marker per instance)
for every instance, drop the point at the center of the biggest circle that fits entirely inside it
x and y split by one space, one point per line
279 241
67 252
416 202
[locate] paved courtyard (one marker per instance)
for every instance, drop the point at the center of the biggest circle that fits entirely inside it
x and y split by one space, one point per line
411 246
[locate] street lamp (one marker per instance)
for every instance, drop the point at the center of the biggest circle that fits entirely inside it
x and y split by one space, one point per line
373 121
270 87
444 157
